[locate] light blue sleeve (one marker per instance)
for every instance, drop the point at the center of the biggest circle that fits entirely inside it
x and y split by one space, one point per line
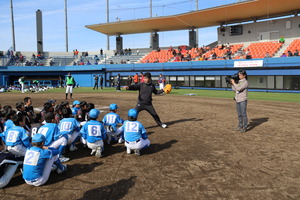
83 131
120 120
104 120
77 126
103 131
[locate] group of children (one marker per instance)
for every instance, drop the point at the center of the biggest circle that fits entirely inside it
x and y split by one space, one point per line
38 141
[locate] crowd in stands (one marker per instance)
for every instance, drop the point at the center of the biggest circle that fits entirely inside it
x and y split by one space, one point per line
126 52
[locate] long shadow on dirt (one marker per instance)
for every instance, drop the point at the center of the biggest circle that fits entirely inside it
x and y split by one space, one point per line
114 191
73 171
256 122
154 148
170 123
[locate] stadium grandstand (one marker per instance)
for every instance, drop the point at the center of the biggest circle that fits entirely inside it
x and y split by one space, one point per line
261 36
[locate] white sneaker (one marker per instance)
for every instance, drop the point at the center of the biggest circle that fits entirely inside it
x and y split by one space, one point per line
59 171
137 152
93 151
63 159
120 141
98 153
128 151
73 148
164 125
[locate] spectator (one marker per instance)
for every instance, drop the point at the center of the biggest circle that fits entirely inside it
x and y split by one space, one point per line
296 53
283 55
158 49
170 49
137 51
96 57
76 52
156 60
111 62
290 54
267 55
86 54
88 63
129 51
281 39
74 63
248 56
51 62
96 62
174 52
101 52
40 56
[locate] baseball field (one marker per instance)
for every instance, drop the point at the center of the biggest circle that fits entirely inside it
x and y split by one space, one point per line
199 156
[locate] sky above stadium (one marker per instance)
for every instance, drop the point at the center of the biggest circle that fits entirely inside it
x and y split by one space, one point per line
81 13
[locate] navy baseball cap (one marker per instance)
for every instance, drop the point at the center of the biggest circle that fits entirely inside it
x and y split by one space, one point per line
94 113
113 106
38 138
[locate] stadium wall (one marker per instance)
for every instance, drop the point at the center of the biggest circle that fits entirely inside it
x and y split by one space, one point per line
275 74
262 31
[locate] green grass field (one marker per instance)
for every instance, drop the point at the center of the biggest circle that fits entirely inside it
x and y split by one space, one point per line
263 96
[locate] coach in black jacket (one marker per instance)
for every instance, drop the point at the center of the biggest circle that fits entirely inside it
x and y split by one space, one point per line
145 97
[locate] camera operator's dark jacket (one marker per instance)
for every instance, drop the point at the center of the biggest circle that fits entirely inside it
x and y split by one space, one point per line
145 92
241 90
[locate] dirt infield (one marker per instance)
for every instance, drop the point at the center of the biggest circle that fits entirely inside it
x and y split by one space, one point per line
199 156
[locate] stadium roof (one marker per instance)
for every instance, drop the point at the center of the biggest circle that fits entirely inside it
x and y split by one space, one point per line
232 13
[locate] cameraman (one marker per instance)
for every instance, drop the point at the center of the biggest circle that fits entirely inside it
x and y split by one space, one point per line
241 96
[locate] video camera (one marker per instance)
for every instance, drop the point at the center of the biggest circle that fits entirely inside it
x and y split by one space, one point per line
235 77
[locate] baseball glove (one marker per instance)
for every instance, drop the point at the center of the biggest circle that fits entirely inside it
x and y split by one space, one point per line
167 88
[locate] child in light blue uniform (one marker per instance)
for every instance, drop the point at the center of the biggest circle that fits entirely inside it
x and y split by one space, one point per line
16 138
135 134
69 128
93 133
111 121
76 108
38 162
53 136
9 123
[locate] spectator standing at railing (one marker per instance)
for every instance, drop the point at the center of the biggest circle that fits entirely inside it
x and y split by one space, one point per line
129 51
282 39
290 54
137 52
51 62
76 52
267 55
101 52
296 53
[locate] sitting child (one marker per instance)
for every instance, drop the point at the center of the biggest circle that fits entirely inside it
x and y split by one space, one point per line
111 120
134 133
93 133
38 162
16 138
69 128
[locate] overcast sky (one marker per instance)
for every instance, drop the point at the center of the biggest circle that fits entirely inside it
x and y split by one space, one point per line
81 13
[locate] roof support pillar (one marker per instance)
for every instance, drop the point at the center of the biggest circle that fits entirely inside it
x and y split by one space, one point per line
119 43
192 38
154 40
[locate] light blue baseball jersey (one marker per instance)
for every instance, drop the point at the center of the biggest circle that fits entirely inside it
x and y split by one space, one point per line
15 136
8 124
133 130
68 126
93 131
112 119
34 162
51 132
75 111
